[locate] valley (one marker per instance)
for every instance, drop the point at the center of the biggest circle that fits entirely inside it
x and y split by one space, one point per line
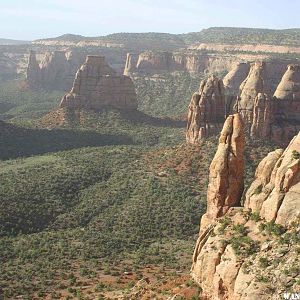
113 148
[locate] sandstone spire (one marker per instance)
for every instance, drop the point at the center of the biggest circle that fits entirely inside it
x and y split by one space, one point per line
223 264
226 173
289 86
232 82
96 85
206 110
263 117
256 82
33 70
129 65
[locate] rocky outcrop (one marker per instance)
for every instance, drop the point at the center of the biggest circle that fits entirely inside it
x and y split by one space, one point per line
130 65
55 71
255 83
226 176
263 117
275 193
245 48
242 253
97 85
150 63
278 118
206 110
266 117
232 82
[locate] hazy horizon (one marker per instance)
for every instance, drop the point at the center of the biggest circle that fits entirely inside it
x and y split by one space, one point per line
32 19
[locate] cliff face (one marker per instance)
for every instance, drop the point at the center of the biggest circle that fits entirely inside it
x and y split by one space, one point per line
206 110
275 118
255 83
226 177
55 71
281 119
150 63
96 85
248 252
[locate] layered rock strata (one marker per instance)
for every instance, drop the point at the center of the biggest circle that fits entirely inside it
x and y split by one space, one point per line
280 115
206 110
232 82
97 85
55 71
266 117
255 83
235 254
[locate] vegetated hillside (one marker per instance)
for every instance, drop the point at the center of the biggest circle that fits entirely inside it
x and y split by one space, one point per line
148 40
19 103
137 41
168 95
12 42
236 35
167 41
76 218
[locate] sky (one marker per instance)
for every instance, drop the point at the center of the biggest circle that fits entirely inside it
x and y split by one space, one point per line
34 19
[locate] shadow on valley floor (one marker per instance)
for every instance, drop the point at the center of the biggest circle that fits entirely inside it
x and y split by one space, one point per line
138 117
22 142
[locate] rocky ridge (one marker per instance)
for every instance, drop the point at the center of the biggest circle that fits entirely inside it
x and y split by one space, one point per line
250 252
266 116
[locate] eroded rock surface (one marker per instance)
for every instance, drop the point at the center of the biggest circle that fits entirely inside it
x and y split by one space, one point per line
97 85
226 173
206 110
243 252
55 71
232 82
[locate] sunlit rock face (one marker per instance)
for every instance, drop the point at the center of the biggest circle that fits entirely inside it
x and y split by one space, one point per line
206 110
97 85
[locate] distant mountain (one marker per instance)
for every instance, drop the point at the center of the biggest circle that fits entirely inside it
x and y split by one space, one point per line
66 37
169 42
236 35
12 42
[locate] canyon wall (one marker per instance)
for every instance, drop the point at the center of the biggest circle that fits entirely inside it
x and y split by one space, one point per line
55 71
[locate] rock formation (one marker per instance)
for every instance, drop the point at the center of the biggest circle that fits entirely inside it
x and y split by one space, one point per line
55 71
266 117
130 66
242 253
263 117
96 85
232 82
255 83
226 177
206 110
281 120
